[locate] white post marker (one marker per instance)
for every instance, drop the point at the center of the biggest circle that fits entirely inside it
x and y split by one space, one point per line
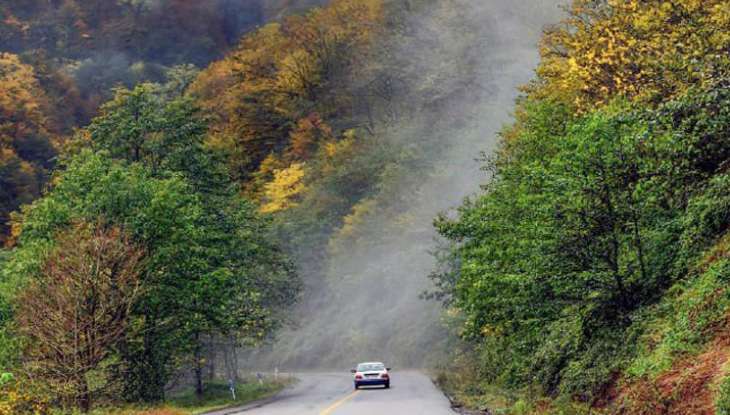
232 387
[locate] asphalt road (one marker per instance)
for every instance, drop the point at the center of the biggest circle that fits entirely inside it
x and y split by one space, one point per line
333 394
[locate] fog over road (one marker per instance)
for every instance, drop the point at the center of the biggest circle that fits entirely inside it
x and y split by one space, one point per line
411 392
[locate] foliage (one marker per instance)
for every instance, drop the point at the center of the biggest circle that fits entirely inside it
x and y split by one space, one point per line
723 397
611 48
194 255
22 100
59 61
20 396
159 214
283 189
73 28
271 95
76 311
102 44
164 132
26 129
599 249
564 263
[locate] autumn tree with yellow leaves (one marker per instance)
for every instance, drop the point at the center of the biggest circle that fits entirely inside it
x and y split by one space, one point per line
642 50
26 130
277 91
282 191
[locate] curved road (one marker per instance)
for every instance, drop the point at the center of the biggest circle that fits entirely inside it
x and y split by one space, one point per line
333 394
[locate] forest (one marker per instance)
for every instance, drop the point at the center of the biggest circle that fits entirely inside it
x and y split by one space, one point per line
163 205
590 275
142 180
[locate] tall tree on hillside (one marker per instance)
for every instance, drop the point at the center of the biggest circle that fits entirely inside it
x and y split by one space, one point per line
163 132
26 150
283 73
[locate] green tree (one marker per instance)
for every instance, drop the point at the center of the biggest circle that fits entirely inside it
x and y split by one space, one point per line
165 133
210 269
579 228
161 215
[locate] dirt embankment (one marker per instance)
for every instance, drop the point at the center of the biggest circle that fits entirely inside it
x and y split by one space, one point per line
689 387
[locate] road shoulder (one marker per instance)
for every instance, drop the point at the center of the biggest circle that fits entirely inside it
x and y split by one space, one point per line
231 410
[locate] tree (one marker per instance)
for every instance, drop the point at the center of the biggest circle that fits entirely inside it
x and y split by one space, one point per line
76 312
163 132
311 133
609 49
280 75
165 135
210 268
19 184
26 149
281 193
578 230
161 215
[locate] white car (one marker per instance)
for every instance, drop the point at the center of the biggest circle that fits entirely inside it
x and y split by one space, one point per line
370 374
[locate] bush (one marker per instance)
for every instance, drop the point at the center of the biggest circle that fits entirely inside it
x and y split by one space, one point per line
707 217
687 317
19 396
722 402
521 407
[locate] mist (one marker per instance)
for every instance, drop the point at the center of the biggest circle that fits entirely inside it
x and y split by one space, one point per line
367 305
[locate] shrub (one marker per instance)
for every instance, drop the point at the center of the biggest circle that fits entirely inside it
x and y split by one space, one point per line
19 396
722 402
707 217
688 316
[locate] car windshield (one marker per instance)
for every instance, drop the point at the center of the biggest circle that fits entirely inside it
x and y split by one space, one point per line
367 367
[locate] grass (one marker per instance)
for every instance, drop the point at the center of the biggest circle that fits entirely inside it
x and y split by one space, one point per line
215 396
688 317
218 396
466 391
722 401
477 397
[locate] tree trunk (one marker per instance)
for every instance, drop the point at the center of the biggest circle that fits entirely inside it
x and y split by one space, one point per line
151 386
84 398
198 367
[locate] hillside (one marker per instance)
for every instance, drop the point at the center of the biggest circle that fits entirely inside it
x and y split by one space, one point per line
189 190
590 276
60 60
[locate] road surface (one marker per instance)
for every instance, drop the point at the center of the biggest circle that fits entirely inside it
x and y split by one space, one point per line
333 394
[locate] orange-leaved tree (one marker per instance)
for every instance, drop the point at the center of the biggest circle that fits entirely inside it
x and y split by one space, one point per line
26 149
282 74
76 311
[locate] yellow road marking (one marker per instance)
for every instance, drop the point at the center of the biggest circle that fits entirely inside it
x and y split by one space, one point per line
331 408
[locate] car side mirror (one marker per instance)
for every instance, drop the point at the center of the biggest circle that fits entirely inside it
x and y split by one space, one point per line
353 371
388 369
